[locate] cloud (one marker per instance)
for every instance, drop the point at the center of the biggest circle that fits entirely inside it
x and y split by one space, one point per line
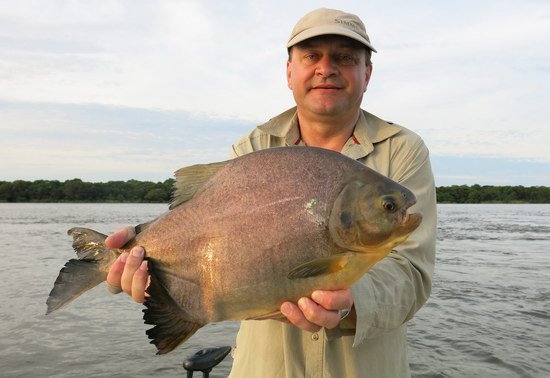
174 55
474 169
469 82
97 142
471 78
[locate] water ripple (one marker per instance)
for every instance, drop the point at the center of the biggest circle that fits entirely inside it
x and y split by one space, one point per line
488 314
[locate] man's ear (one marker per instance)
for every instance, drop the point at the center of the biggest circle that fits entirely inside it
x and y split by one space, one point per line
368 73
288 75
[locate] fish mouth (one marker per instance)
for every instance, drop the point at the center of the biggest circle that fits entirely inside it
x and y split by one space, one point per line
410 221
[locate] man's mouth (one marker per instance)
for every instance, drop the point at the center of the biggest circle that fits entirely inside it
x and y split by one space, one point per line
329 87
326 86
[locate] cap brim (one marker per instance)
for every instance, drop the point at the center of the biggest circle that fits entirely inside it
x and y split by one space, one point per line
326 30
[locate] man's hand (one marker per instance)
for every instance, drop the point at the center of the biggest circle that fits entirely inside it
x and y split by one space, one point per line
321 310
129 272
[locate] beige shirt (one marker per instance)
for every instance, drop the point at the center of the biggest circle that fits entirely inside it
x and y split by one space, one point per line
385 298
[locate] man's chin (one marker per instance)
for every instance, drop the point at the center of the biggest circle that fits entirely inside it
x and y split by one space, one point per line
323 105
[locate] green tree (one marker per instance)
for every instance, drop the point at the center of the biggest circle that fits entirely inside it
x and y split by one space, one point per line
77 190
5 191
20 191
156 195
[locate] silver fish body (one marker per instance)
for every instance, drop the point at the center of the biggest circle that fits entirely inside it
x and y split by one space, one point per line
245 235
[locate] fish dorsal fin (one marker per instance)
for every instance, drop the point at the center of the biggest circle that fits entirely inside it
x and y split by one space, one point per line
190 179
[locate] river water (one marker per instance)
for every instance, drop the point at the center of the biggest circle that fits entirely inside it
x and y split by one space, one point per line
489 314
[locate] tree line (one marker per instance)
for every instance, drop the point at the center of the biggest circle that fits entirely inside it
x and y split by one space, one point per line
493 194
76 190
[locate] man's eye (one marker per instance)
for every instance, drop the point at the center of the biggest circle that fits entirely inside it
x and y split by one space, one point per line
346 59
310 58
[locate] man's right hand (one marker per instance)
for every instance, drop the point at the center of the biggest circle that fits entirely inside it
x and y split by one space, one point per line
129 271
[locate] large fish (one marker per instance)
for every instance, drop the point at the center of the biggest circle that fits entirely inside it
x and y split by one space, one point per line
243 236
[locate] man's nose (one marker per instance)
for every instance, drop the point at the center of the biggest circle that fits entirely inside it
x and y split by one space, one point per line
326 66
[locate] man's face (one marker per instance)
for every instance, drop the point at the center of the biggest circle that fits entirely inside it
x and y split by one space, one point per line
328 75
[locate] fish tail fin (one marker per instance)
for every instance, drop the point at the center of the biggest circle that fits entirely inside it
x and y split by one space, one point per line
171 326
82 274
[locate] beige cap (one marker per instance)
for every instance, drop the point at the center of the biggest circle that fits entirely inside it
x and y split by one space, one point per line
325 21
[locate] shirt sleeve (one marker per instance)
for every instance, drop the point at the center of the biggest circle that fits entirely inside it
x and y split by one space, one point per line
396 287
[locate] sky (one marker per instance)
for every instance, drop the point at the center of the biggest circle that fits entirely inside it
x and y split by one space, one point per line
118 90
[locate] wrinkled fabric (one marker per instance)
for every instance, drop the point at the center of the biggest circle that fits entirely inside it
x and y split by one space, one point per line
385 298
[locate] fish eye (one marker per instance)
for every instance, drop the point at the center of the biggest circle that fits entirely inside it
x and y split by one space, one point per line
388 203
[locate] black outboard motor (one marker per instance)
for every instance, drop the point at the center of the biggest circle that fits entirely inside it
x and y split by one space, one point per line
204 360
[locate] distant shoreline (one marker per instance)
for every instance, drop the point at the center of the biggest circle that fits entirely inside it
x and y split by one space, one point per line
134 191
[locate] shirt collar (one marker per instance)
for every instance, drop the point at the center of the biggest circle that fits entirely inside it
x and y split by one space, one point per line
368 131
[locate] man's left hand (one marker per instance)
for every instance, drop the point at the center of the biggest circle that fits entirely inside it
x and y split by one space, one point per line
321 310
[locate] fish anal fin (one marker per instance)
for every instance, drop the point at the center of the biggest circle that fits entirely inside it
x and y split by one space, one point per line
171 328
321 266
274 315
190 179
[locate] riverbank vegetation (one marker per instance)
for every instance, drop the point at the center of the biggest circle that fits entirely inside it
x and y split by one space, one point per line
76 190
493 194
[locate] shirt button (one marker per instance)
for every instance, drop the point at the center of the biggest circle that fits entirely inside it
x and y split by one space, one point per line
315 336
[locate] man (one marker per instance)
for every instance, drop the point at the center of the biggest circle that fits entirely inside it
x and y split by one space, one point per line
328 71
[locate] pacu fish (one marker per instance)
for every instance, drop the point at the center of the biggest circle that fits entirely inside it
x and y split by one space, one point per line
245 235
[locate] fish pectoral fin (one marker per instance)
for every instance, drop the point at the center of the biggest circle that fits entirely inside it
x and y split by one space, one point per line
171 328
324 265
274 315
190 179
